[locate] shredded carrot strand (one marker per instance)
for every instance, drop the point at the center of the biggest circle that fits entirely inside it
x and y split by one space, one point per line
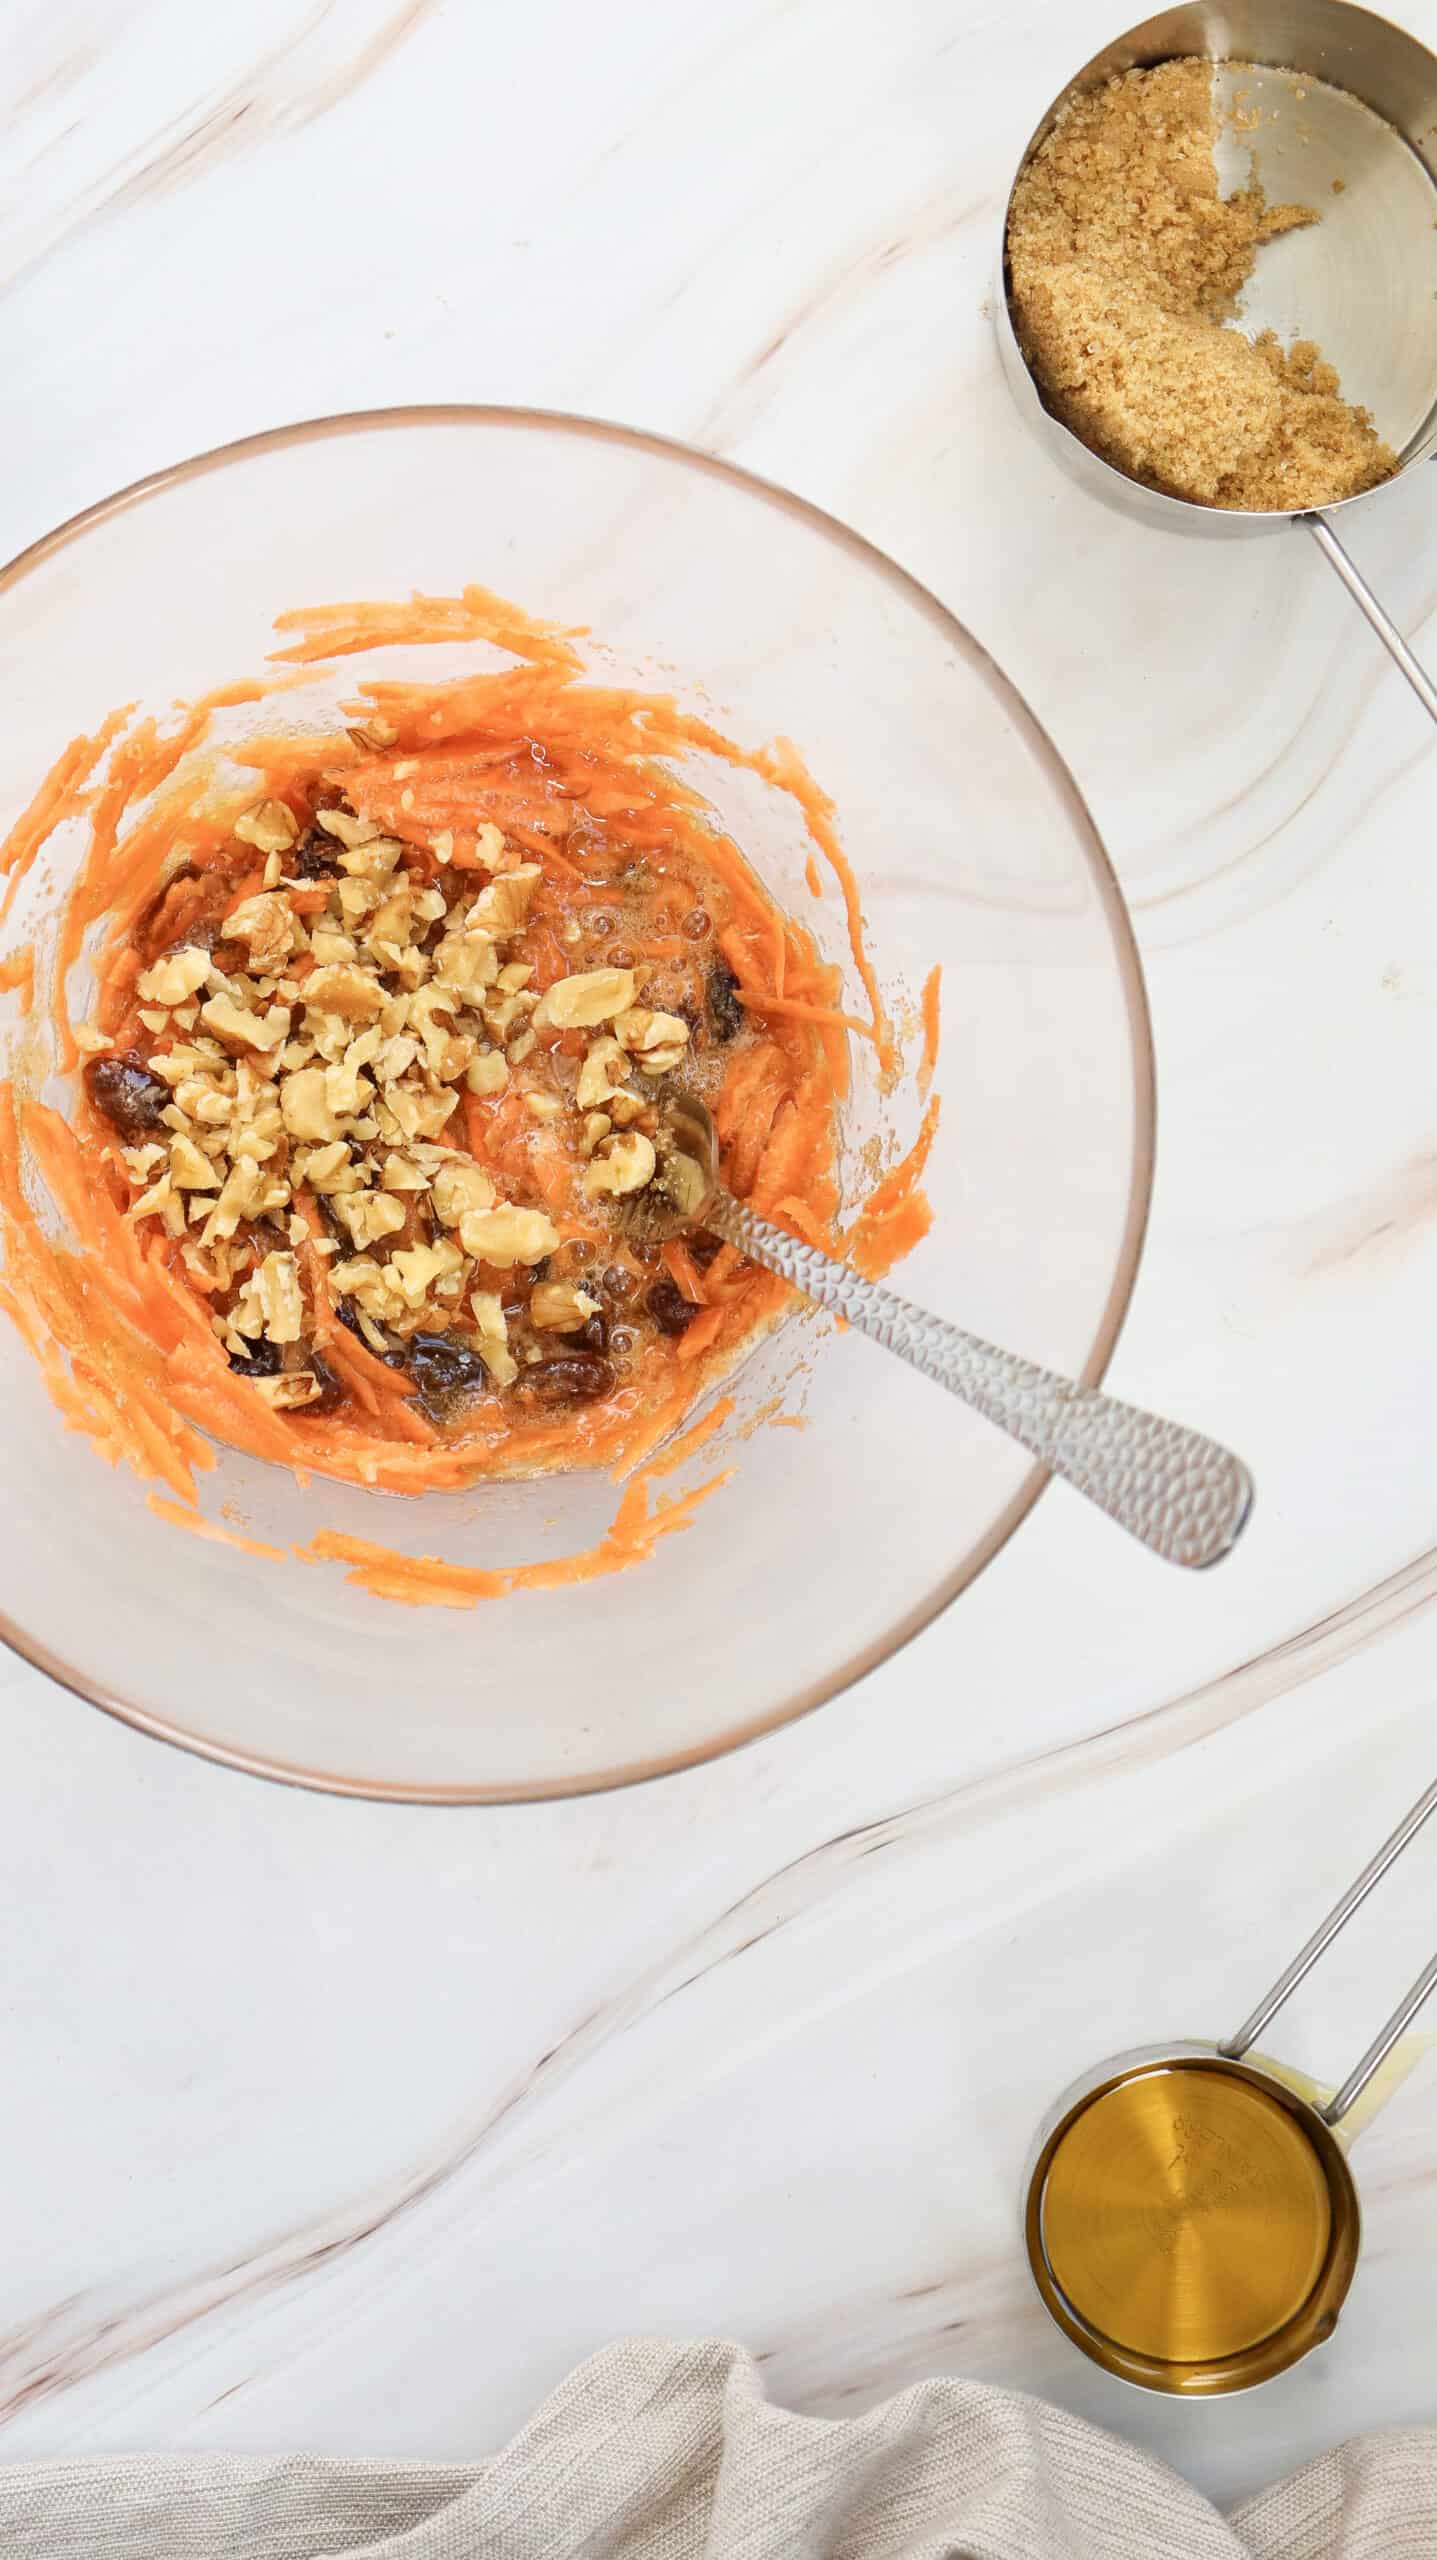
684 1271
17 974
932 993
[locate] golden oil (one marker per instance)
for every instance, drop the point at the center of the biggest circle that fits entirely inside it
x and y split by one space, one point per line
1192 2224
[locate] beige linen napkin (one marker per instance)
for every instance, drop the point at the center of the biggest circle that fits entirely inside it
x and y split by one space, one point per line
658 2452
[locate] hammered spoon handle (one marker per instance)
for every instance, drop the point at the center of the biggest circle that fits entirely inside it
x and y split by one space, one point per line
1181 1494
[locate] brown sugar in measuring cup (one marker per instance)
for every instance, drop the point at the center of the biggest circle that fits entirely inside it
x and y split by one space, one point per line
1338 110
1125 261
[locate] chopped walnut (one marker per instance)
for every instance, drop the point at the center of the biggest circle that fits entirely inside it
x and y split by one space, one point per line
656 1040
602 1073
345 989
460 1190
488 1073
322 1060
421 1267
329 1170
304 1103
503 906
487 1310
190 1170
277 1281
370 1216
290 1390
269 826
174 977
346 827
268 925
243 1029
620 1164
592 995
505 1236
556 1306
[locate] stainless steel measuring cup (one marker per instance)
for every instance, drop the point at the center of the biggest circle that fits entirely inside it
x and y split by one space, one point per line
1191 2220
1363 282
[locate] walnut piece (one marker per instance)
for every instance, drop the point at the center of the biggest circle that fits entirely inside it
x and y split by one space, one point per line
592 995
268 925
174 977
623 1163
488 1073
246 1030
657 1040
345 989
487 1310
505 1236
291 1389
602 1073
304 1103
370 1215
556 1306
277 1283
269 826
460 1190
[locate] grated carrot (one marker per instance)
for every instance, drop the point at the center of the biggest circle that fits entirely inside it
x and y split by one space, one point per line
684 1271
932 989
590 781
17 974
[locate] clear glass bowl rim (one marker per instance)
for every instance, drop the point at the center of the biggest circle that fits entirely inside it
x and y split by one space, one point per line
671 449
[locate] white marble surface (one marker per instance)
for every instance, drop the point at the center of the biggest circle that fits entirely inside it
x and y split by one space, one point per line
332 2125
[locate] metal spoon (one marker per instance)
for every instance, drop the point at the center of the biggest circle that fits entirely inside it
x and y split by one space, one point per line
1185 1497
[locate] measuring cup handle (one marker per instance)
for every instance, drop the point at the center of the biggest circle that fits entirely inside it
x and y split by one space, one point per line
1382 2043
1318 1944
1366 602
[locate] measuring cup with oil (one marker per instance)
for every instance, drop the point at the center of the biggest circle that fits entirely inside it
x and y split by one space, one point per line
1192 2221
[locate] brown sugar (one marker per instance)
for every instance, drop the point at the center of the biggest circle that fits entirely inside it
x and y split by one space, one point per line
1125 263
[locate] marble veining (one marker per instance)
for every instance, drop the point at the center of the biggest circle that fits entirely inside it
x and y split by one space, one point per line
329 2124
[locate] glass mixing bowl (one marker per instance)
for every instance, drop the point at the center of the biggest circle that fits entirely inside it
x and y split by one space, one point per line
971 846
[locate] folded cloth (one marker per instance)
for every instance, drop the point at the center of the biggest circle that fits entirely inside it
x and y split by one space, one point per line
658 2452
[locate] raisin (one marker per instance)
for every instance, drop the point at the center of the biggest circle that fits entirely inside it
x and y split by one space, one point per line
331 1388
574 1377
348 1315
265 1361
131 1098
705 1248
150 914
725 1011
669 1307
595 1334
443 1367
315 857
